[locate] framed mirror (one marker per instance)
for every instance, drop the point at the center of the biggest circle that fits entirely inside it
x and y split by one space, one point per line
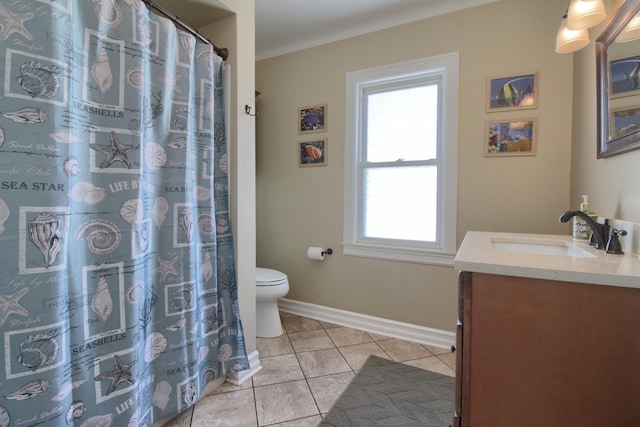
618 83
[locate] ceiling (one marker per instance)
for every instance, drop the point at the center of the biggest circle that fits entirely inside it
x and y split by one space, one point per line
284 26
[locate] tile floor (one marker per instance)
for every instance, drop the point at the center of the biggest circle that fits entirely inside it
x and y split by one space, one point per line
304 371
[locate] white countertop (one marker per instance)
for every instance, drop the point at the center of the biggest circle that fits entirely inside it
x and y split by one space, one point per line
477 254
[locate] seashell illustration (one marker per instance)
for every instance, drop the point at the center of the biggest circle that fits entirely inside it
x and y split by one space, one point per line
4 214
182 299
132 210
75 411
207 56
142 237
187 42
27 115
155 345
108 12
102 236
133 294
64 136
207 267
190 394
38 79
159 211
1 136
210 374
224 353
181 118
154 155
38 350
135 4
222 225
29 390
135 77
71 166
44 232
101 71
5 419
202 193
102 302
205 224
177 143
186 223
87 193
177 325
66 389
98 421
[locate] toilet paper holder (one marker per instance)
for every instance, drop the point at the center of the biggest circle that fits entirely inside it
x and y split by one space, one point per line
327 252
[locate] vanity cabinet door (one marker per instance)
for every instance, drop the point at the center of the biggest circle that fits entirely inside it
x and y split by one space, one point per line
548 353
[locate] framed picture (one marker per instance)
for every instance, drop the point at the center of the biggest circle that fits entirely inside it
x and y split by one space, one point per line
625 120
511 138
625 76
312 153
512 92
312 119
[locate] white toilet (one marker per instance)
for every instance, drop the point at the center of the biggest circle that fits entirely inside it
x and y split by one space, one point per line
270 286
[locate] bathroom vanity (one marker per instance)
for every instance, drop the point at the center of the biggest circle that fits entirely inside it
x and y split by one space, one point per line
548 333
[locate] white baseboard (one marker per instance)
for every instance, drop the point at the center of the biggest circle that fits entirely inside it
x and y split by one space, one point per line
376 325
237 378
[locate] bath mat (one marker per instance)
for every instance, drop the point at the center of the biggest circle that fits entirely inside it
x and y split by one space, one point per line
388 393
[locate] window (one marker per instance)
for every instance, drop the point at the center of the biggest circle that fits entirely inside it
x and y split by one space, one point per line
401 161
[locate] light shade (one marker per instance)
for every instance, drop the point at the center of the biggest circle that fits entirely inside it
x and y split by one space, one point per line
569 40
585 14
631 31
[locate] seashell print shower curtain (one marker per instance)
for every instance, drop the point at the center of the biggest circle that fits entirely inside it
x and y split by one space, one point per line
118 297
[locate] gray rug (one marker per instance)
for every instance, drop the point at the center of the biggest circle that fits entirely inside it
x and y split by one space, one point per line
387 393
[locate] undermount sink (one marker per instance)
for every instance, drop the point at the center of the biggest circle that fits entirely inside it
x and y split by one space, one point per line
539 247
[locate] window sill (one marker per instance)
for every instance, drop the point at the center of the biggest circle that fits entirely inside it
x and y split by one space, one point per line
401 254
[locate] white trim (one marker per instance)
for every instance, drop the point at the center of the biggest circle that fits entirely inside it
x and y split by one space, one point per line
238 378
376 325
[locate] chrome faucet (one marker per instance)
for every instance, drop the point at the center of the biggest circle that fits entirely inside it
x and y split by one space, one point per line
599 232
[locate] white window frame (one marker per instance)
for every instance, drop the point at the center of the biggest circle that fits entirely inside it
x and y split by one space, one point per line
442 252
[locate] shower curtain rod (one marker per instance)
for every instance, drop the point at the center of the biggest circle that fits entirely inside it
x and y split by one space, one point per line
223 52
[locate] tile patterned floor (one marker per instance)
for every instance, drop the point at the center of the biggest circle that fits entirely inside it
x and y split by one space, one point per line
304 371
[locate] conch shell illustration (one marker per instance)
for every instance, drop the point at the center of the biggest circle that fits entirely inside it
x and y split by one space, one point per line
29 390
44 232
102 236
38 350
101 72
5 419
186 223
38 79
27 115
102 302
75 411
4 214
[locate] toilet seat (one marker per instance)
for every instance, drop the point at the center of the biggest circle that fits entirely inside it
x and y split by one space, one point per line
269 277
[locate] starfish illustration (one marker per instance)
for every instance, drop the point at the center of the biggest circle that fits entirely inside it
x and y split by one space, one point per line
166 267
115 152
13 23
9 304
121 373
172 81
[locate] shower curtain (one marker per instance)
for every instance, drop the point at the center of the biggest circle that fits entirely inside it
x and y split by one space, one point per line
118 296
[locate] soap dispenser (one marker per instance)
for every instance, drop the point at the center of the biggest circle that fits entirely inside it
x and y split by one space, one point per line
581 230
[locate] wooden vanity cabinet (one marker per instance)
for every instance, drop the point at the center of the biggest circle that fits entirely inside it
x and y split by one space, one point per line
544 353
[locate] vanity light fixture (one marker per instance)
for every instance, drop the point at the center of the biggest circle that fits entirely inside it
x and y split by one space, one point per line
570 40
580 16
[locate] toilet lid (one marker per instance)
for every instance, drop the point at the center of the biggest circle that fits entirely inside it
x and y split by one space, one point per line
269 277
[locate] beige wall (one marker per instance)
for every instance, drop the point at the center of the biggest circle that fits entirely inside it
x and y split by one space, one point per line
236 32
613 184
299 207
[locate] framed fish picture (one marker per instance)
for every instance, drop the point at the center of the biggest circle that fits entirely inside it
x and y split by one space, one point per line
312 119
624 120
312 153
516 137
519 92
625 76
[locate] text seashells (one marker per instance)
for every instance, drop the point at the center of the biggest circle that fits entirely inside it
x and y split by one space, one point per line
87 193
44 232
38 350
102 236
38 79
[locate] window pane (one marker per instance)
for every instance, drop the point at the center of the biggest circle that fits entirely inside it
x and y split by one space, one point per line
400 203
402 124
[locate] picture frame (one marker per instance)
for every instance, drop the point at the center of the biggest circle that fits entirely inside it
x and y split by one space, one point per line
625 76
625 120
312 119
514 92
511 137
312 153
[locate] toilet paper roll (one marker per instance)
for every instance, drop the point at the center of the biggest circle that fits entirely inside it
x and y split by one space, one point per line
316 253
